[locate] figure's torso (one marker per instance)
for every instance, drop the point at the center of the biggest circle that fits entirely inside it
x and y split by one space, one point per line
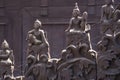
108 11
37 34
76 24
6 59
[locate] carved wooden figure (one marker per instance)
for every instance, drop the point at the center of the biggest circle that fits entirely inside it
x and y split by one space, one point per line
37 41
78 28
107 14
6 61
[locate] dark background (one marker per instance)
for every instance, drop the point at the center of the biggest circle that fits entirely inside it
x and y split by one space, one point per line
17 18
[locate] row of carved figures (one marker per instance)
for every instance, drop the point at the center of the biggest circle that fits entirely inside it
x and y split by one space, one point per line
78 61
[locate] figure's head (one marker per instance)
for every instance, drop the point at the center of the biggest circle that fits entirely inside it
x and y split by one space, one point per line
31 59
76 11
5 45
71 51
64 54
107 39
43 58
118 7
109 2
84 48
37 24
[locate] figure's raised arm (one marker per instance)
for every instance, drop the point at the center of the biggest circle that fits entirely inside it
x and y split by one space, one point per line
12 57
84 20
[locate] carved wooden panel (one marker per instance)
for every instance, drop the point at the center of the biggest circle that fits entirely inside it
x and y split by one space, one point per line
54 14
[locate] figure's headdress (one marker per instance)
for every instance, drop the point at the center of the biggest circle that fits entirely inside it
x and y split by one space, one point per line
5 44
38 21
76 7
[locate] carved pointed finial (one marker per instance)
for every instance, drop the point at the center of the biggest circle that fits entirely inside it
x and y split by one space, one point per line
76 6
76 10
5 44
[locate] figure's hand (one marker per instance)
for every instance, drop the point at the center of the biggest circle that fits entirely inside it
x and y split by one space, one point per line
12 67
92 52
29 44
85 15
67 30
88 28
10 52
87 31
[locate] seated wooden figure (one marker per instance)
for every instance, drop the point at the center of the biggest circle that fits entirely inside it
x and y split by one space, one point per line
6 60
37 41
78 28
